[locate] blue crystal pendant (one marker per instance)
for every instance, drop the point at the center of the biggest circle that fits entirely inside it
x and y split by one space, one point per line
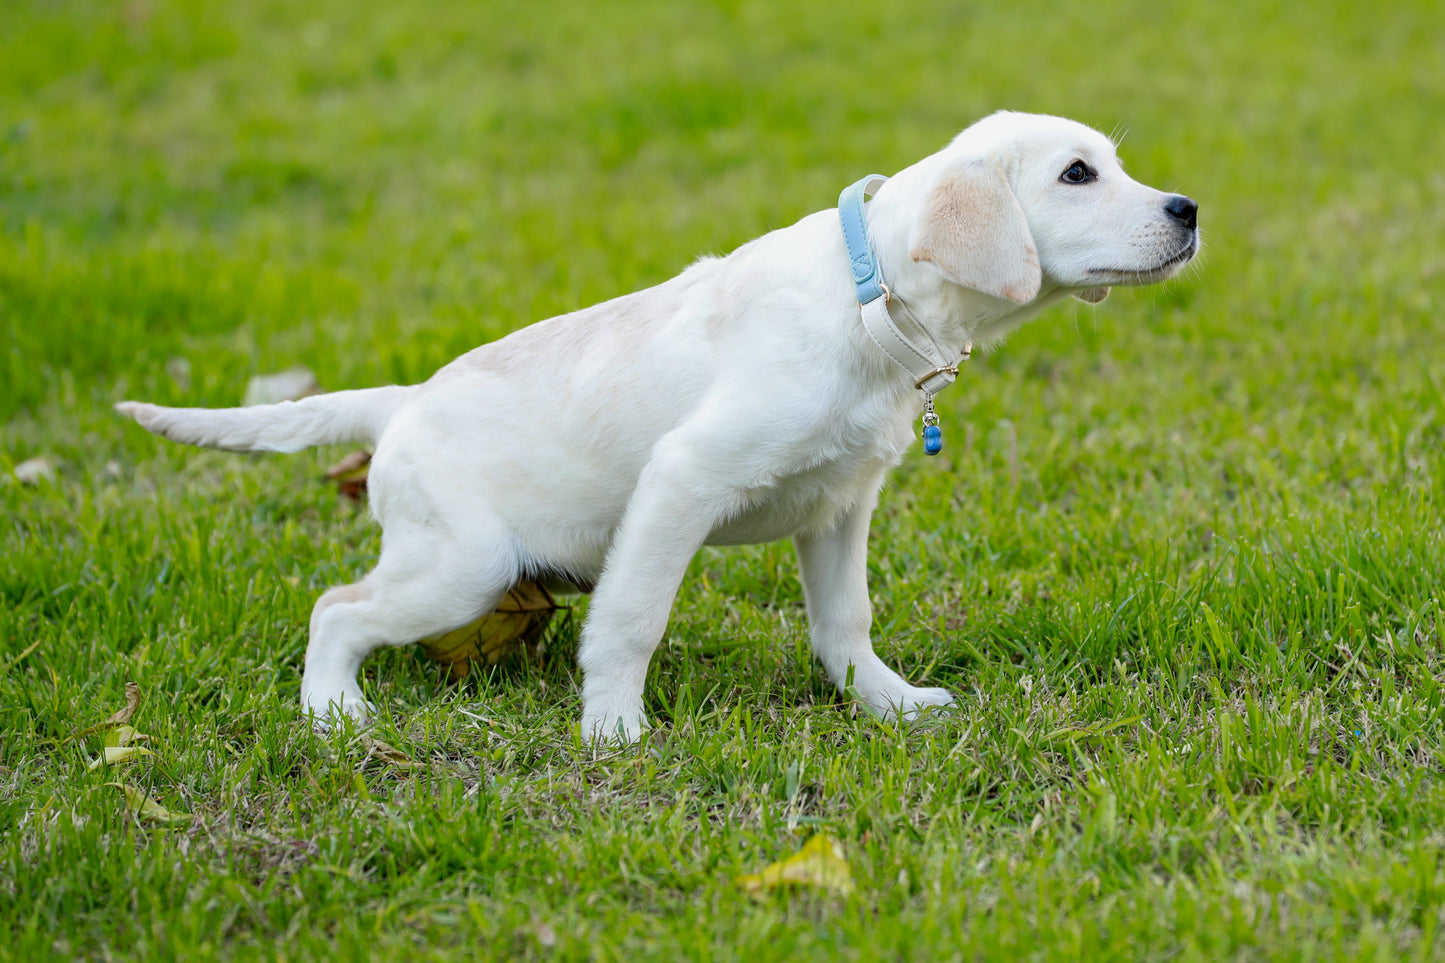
932 434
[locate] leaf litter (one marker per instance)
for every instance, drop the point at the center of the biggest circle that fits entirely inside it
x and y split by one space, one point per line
517 622
120 745
146 809
820 864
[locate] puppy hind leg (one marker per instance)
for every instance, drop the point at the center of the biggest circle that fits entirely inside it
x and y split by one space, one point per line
412 594
328 682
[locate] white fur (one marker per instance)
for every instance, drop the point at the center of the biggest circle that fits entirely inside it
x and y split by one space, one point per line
740 401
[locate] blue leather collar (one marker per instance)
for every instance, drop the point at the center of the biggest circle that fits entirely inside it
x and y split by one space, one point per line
867 274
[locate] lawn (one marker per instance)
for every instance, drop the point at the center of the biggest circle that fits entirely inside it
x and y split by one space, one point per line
1182 566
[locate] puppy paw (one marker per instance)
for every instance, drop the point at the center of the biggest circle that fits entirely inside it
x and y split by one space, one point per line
905 702
330 710
918 701
887 694
604 728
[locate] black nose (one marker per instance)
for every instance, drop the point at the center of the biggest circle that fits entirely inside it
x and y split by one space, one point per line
1183 209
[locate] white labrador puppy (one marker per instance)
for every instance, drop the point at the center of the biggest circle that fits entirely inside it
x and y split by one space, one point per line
741 401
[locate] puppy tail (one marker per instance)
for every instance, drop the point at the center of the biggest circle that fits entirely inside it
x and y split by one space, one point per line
342 416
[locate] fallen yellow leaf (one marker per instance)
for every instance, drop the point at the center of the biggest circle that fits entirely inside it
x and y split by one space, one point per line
123 736
518 620
145 808
115 755
819 863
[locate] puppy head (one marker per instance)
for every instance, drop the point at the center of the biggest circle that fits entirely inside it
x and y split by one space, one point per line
1024 201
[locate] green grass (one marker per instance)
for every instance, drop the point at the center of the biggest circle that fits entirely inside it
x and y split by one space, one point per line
1183 569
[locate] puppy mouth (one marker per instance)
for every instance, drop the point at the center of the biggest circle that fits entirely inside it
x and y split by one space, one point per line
1157 272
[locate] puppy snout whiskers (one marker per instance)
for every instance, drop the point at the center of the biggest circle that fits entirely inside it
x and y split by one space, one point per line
1183 209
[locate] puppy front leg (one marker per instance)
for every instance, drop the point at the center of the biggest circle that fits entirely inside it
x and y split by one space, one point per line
834 568
666 522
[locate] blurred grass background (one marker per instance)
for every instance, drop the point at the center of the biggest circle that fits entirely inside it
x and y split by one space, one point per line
1184 567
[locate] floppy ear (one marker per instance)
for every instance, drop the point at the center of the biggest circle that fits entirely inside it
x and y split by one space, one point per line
973 230
1092 295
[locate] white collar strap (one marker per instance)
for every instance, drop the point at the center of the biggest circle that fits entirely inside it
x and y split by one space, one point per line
924 361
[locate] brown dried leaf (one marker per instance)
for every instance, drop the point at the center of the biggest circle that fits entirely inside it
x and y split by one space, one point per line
350 473
120 718
376 749
126 712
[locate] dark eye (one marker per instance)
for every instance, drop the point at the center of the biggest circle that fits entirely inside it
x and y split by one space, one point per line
1078 173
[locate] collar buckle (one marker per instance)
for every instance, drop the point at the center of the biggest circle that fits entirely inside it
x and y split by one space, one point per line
951 371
